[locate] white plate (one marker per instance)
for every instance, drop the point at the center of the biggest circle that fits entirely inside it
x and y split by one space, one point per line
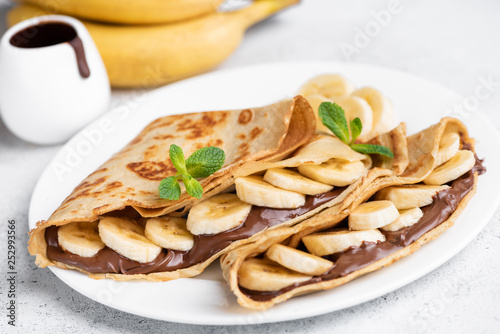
206 299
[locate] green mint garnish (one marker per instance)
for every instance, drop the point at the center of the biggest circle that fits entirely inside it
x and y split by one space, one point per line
372 149
205 161
202 163
193 187
333 117
169 188
177 158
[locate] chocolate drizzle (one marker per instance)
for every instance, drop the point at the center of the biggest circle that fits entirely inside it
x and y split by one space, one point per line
205 246
52 33
444 204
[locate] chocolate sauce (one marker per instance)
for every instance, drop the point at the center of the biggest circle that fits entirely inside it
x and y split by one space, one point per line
53 33
444 204
205 246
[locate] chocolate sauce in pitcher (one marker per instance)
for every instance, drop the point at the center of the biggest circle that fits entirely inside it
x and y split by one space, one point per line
53 33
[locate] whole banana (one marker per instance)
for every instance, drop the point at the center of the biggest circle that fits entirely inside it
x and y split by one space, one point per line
130 11
147 56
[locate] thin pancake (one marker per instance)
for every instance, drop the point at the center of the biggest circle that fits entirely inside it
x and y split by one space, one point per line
423 148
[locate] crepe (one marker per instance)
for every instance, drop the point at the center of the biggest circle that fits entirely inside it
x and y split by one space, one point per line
254 140
130 178
423 149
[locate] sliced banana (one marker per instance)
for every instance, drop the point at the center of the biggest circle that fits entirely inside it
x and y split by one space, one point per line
80 238
326 243
371 215
217 214
451 170
339 173
297 260
328 85
448 147
323 148
406 218
127 238
384 118
290 180
256 191
169 233
357 107
264 275
408 197
315 101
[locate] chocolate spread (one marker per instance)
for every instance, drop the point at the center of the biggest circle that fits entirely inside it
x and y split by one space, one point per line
52 33
109 261
354 258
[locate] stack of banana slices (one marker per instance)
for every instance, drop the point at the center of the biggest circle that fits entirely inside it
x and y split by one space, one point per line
155 42
390 220
373 108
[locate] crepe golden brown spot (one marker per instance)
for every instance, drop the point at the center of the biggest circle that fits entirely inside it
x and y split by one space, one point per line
243 149
152 170
256 132
245 117
164 137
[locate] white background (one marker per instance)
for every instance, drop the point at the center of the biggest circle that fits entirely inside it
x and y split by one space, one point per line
453 43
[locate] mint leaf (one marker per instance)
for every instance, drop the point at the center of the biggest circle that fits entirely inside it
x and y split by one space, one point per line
333 117
356 128
193 187
201 163
169 188
177 158
372 149
205 161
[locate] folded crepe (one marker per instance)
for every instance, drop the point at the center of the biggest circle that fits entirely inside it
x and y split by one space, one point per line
390 219
114 225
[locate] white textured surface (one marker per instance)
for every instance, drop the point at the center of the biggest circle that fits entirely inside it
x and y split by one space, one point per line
454 43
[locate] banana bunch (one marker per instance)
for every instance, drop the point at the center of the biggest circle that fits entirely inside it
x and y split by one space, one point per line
391 209
157 41
373 109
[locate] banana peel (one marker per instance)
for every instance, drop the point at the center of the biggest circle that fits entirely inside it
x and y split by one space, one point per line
130 11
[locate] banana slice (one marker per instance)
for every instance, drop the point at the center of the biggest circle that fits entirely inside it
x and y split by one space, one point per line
326 243
408 197
264 275
169 233
339 173
406 218
290 180
448 147
451 170
80 238
297 260
371 215
328 85
127 238
256 191
315 101
217 214
323 148
357 107
384 118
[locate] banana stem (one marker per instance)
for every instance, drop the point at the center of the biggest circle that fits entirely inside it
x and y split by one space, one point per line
260 10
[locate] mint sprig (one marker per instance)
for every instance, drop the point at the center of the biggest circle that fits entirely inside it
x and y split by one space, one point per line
333 117
202 163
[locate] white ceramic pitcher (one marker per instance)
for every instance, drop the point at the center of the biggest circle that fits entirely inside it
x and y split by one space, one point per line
52 79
